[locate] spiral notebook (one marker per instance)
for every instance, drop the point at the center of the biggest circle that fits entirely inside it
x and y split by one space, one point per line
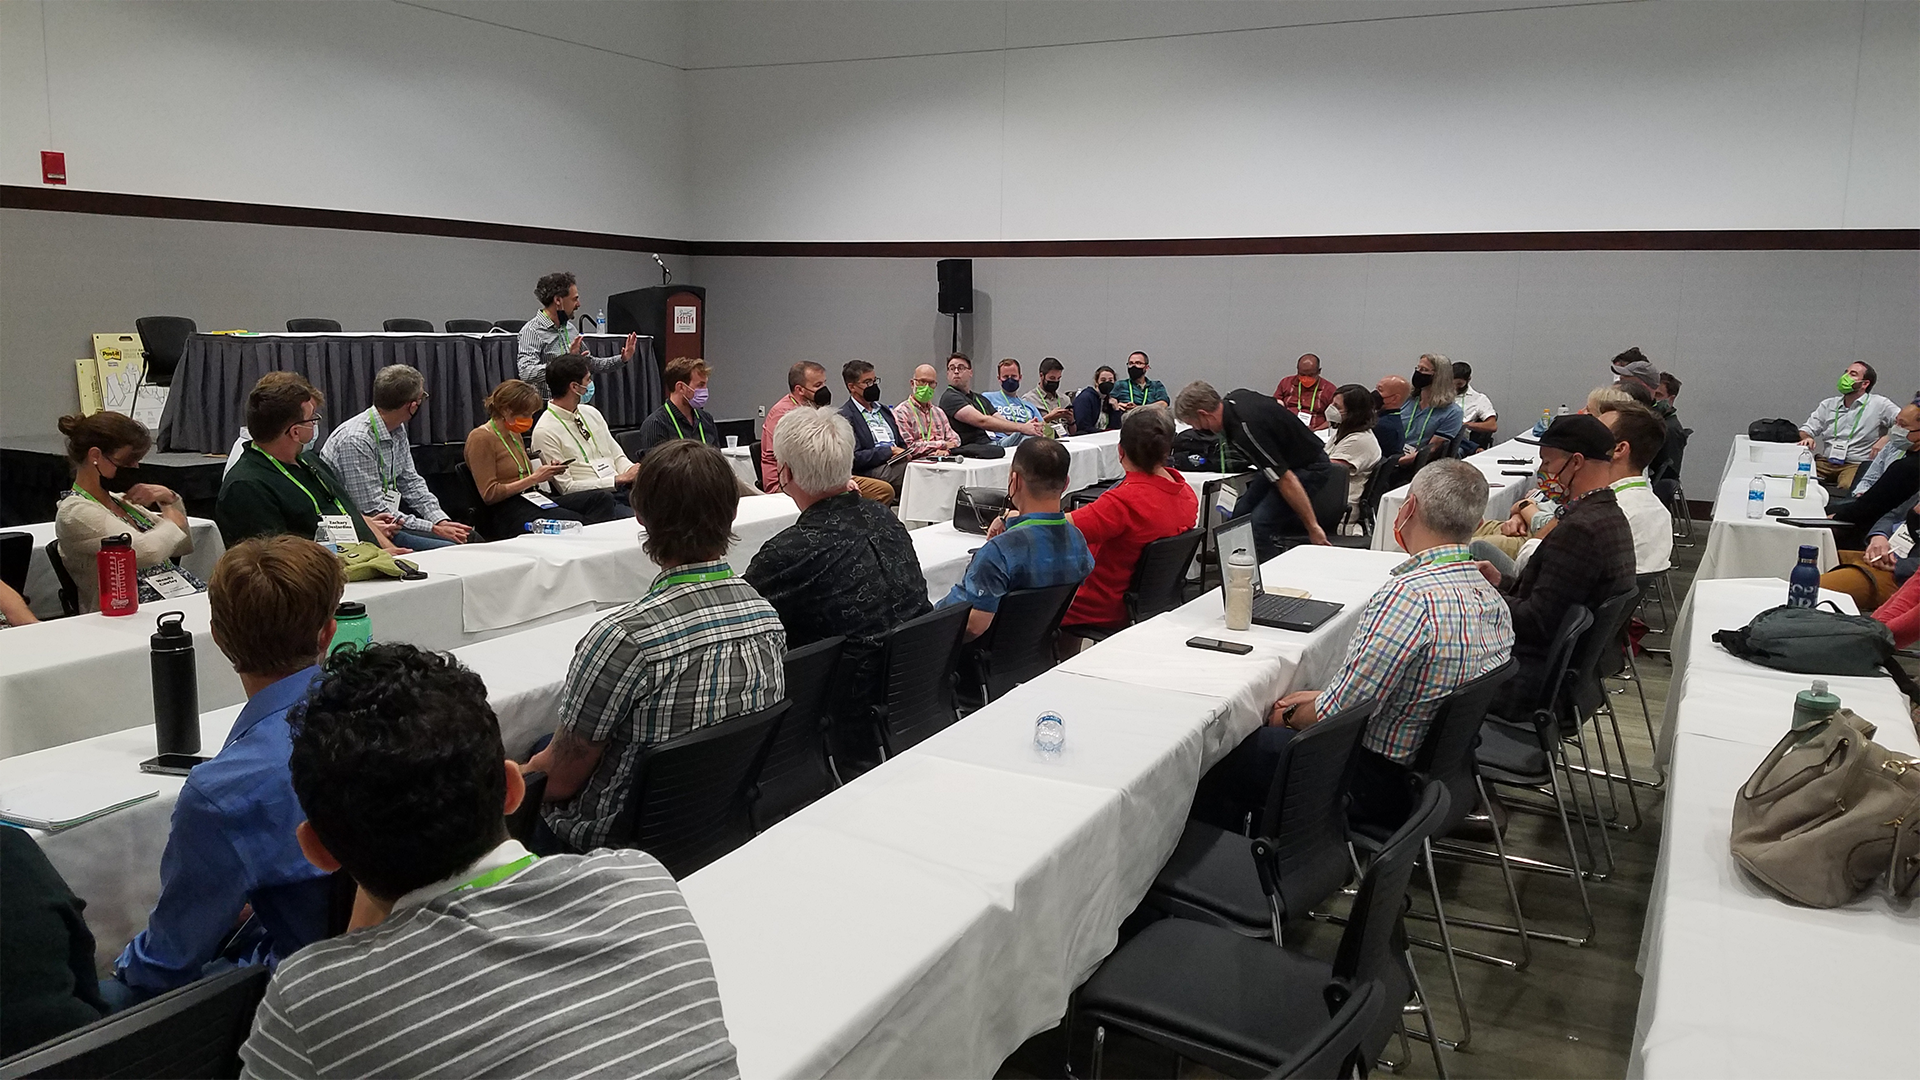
60 802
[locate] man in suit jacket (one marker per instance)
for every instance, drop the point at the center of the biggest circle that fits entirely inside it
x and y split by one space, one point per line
878 447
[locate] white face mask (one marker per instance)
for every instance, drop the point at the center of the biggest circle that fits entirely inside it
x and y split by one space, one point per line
1333 415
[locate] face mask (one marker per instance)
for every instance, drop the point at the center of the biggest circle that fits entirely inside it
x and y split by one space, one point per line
1010 384
1421 380
1379 403
1106 387
560 317
1334 414
121 480
923 394
1136 373
871 393
1848 383
1663 407
822 398
587 394
1308 380
1051 386
1552 488
519 425
1400 521
699 398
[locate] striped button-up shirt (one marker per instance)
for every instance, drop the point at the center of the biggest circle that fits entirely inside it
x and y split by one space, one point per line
1435 626
376 468
542 339
702 646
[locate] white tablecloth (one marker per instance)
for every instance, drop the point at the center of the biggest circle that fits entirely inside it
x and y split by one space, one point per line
928 491
937 912
740 458
43 588
1738 983
71 679
1502 490
1739 546
1748 458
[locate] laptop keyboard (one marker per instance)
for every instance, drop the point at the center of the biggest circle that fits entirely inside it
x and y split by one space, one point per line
1273 608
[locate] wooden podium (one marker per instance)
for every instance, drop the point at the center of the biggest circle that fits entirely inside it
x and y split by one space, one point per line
674 316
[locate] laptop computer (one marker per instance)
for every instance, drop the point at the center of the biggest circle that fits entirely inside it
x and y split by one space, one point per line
1279 612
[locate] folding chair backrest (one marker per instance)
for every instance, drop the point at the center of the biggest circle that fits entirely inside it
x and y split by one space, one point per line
69 589
193 1031
1305 816
1446 755
1334 1049
407 326
1560 669
511 326
163 340
468 326
1159 578
1330 502
689 801
463 502
1020 643
919 659
1377 487
1370 946
16 557
313 326
1599 653
796 772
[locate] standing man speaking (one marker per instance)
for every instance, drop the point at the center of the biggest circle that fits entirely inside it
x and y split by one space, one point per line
550 333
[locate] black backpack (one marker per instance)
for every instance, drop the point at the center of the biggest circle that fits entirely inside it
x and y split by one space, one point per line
1812 641
1194 450
1774 430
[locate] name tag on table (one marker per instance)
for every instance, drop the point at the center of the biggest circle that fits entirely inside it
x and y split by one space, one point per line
168 581
602 468
538 499
339 529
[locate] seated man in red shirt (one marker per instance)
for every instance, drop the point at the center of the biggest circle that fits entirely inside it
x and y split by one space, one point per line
1149 503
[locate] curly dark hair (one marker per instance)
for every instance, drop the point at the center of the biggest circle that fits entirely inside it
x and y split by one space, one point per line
553 286
685 496
398 764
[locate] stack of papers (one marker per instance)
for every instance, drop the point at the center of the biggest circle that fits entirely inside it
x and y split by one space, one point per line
54 803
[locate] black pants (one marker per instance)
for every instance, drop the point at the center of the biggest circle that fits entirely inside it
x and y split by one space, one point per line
1380 789
508 518
1273 518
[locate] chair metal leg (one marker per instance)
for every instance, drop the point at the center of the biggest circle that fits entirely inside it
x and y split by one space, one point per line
1446 945
1646 714
1506 874
1099 1049
1425 1009
1579 878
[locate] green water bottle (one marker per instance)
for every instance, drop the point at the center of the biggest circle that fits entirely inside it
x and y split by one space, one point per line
351 629
1812 708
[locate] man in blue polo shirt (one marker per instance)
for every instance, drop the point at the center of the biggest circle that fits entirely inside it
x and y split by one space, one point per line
1034 547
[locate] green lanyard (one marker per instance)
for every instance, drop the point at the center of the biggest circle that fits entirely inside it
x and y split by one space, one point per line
1632 482
1450 558
673 414
1144 393
120 510
520 463
692 577
922 425
1025 521
1316 394
1858 418
1423 431
379 459
310 496
498 874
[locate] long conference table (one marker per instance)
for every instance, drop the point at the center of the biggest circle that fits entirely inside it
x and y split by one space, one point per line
1507 483
1739 546
1736 981
43 587
928 490
70 679
933 914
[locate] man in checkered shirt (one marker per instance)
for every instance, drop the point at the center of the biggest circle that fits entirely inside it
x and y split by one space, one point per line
1433 628
701 647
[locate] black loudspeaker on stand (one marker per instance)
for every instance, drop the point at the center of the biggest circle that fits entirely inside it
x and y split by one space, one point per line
956 292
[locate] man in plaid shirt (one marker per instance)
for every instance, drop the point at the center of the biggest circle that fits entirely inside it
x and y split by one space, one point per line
375 463
1433 628
701 647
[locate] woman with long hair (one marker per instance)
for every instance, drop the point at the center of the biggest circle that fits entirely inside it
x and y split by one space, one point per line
507 480
1351 415
1432 415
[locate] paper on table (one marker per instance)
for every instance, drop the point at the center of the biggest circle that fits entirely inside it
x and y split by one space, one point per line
61 802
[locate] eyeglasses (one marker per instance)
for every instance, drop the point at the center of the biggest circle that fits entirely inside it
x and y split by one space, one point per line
314 419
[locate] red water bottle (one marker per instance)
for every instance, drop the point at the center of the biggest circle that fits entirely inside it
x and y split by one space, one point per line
119 576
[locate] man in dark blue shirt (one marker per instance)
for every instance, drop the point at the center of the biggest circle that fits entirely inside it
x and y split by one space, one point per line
1035 547
1389 394
232 843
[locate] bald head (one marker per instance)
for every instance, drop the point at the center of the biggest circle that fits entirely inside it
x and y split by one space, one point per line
926 371
1393 391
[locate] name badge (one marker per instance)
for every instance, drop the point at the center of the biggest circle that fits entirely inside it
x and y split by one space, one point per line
603 468
339 529
1836 459
167 581
538 499
1305 418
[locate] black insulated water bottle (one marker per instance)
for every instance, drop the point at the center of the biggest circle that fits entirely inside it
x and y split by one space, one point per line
176 688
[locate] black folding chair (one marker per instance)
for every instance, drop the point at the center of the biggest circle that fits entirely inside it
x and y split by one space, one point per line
799 768
407 326
16 558
462 500
313 326
1244 1006
1329 506
688 805
468 326
69 590
920 657
163 341
1378 484
1298 855
511 326
1019 644
1159 581
195 1031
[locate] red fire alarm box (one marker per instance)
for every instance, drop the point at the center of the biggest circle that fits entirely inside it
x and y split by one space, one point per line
53 167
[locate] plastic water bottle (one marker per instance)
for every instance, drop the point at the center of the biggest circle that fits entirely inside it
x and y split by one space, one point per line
1803 473
600 323
1546 419
351 627
1757 497
321 537
1803 585
1563 410
552 527
119 575
1049 733
1239 588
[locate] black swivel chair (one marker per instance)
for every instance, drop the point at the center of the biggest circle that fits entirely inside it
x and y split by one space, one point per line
1246 1007
511 326
313 326
407 326
69 589
195 1031
1297 857
1019 644
468 326
1159 582
919 658
16 557
689 801
799 768
163 340
1378 484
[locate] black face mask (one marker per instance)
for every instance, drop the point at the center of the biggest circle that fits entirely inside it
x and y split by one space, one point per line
1051 386
1136 373
872 393
1421 380
1105 387
822 398
1009 385
121 481
1379 403
560 316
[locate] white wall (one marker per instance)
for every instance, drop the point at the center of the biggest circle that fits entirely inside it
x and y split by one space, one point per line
1042 120
358 105
1750 333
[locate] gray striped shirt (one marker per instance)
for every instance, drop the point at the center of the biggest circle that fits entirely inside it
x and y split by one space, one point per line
577 965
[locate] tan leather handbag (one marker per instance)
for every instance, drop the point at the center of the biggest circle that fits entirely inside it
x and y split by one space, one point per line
1820 821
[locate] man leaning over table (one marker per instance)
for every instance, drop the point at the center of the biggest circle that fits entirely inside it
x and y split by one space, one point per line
375 462
551 332
1433 627
232 843
1846 431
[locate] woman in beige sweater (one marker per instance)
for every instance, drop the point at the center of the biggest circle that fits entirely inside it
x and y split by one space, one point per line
105 450
507 480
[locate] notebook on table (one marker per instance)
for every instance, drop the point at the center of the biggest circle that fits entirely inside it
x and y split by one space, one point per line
1270 609
60 802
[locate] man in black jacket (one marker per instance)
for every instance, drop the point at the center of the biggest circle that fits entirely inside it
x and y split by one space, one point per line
1292 461
879 450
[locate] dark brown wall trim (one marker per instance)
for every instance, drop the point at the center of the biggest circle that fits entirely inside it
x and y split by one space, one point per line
20 197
